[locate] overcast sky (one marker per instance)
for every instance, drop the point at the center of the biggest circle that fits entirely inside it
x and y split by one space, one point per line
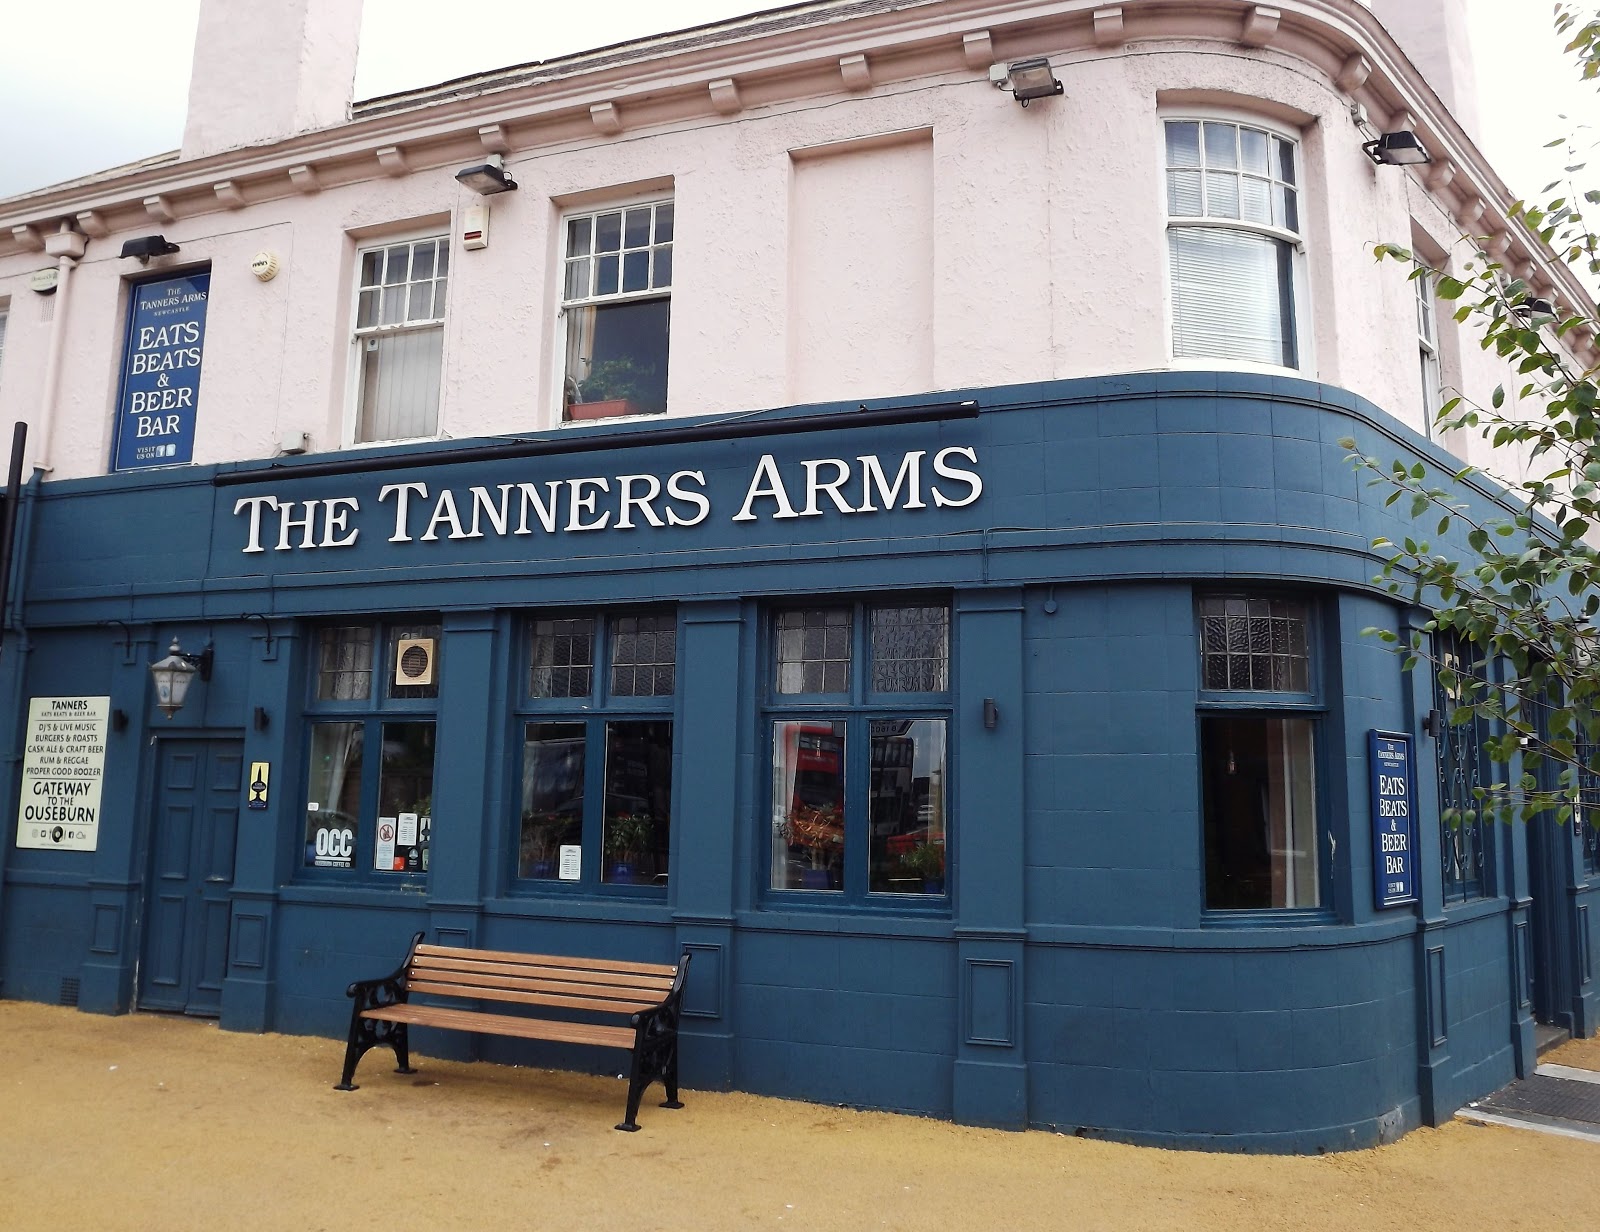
100 82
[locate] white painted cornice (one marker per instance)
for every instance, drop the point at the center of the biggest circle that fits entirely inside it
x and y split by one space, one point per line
782 56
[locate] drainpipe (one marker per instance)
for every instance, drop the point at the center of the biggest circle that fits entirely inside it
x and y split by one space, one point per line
67 247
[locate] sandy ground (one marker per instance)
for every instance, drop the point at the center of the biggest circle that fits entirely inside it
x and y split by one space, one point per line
146 1122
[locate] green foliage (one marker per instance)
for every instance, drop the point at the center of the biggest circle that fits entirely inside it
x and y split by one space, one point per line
628 835
623 377
1526 589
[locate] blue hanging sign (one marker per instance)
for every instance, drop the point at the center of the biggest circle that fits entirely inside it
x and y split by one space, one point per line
161 372
1394 847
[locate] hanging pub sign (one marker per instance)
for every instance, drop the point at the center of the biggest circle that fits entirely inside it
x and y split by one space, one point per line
1394 865
160 382
63 763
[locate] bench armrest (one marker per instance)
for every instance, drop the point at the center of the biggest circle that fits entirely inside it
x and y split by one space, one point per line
386 989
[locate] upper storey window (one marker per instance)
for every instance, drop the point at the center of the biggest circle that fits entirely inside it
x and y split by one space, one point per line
615 311
1233 239
400 338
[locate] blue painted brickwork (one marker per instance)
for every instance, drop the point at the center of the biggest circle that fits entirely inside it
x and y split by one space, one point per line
1080 971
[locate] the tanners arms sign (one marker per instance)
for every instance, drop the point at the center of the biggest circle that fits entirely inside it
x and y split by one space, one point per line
414 512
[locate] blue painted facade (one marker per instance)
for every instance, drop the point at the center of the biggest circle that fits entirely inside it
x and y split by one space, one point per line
1072 976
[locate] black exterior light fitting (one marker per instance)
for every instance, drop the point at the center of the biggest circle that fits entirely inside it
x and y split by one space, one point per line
1031 79
488 179
1398 149
174 674
147 246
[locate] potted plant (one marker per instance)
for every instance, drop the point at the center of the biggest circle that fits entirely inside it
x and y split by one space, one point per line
620 386
926 860
628 835
539 831
819 832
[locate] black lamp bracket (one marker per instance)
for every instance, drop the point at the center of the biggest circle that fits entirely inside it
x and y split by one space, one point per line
266 628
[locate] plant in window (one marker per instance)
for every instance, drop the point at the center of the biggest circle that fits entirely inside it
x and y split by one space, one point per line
540 832
925 860
628 835
623 379
816 828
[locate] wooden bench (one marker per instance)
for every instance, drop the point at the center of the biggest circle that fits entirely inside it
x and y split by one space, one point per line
578 1001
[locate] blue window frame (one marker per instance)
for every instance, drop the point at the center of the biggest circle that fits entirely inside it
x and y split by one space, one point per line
1259 730
370 735
857 723
598 693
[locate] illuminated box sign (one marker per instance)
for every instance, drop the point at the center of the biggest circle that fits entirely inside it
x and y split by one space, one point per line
1394 849
160 383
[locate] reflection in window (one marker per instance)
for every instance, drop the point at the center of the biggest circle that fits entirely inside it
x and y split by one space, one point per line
405 799
552 796
638 801
333 797
808 784
906 805
1257 771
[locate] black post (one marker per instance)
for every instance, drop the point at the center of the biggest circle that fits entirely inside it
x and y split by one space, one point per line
8 521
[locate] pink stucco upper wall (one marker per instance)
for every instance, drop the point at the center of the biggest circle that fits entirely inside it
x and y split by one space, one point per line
837 236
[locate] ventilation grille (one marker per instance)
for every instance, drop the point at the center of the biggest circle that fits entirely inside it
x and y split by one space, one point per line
69 992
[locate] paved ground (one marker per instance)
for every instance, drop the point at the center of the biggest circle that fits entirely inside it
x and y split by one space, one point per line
152 1122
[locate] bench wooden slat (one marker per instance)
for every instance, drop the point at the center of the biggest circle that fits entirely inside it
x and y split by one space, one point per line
505 1024
432 989
657 986
469 980
549 960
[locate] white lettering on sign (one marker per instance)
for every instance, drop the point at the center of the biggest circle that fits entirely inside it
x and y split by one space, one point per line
811 488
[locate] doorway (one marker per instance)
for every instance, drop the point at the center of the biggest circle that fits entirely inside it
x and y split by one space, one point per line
184 954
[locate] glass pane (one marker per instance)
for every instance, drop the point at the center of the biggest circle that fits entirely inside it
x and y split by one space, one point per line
1286 208
579 231
422 262
1231 296
636 271
444 258
344 664
806 650
1259 788
414 661
1222 195
1253 151
636 228
906 806
1222 145
333 795
393 311
421 307
1183 143
664 222
577 286
562 654
1255 201
643 652
367 310
808 758
619 355
438 299
1285 159
910 649
1183 194
607 232
638 819
405 799
605 276
1255 643
398 265
371 267
663 270
552 796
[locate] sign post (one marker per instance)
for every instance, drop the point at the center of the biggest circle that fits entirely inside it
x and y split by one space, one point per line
1394 845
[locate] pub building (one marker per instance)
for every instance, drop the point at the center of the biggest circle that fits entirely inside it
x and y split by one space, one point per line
852 493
